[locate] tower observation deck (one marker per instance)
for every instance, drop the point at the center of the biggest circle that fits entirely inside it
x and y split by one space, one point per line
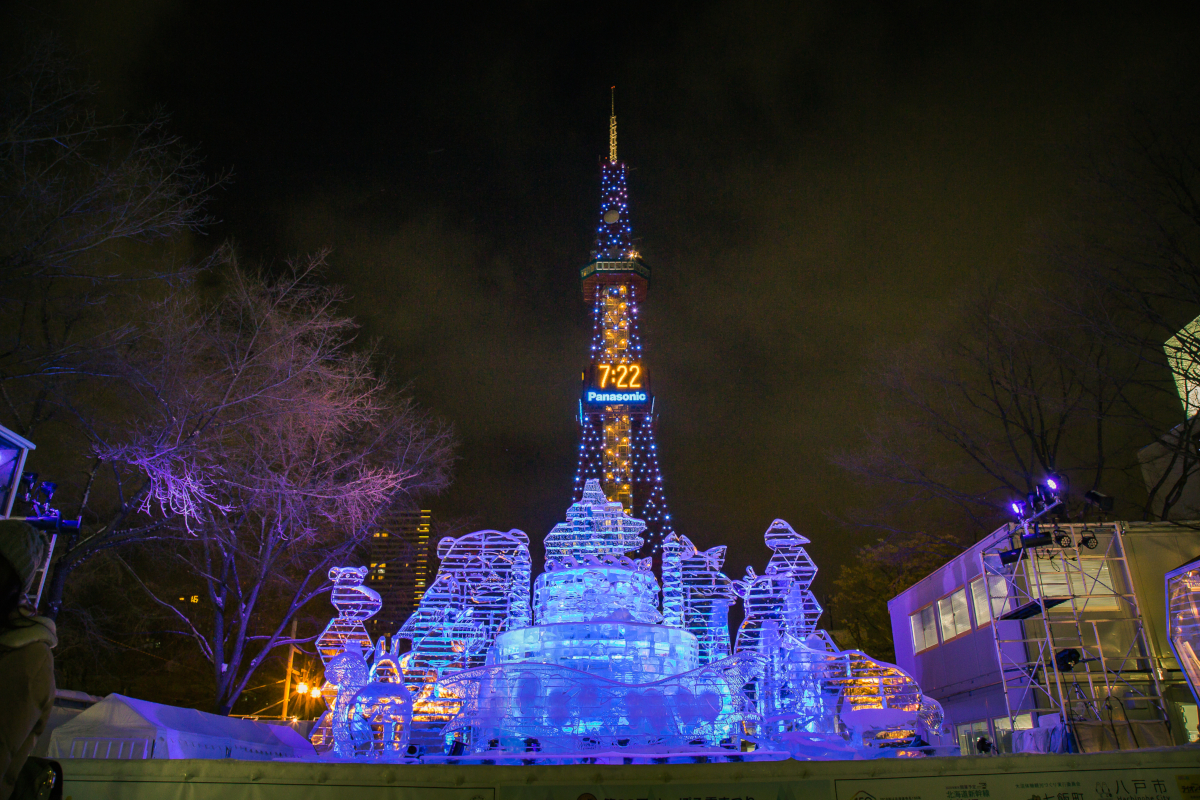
616 410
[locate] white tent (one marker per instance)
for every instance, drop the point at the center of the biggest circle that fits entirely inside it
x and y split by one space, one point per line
122 727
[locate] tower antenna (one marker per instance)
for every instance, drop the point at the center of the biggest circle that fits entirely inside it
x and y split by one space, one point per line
612 129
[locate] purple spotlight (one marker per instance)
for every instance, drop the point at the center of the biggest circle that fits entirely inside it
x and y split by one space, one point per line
1018 509
1053 484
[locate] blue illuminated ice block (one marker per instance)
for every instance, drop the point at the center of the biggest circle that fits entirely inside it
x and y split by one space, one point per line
597 611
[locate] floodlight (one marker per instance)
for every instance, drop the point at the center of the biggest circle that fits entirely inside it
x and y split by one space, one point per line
315 692
1100 500
1087 538
302 688
1065 660
1052 483
1010 556
1036 538
1062 538
1017 508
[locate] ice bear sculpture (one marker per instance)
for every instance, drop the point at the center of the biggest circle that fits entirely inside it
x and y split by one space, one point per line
355 604
481 589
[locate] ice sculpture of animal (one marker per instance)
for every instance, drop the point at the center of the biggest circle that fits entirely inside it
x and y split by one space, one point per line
348 672
481 589
594 526
778 602
385 667
707 595
380 715
355 604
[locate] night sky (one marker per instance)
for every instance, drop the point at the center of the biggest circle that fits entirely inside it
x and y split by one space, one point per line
812 184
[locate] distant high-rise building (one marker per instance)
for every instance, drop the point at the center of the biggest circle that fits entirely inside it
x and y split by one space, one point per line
399 569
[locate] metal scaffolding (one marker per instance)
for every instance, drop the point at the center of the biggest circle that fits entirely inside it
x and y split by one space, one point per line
1070 637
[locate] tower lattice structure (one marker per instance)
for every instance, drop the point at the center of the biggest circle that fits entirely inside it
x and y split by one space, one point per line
616 411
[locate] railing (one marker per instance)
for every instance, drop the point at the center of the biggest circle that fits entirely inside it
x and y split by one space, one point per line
99 747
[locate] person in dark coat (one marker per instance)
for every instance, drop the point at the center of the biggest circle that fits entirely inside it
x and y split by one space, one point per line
26 663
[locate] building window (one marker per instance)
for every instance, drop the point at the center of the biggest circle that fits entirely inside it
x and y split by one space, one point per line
969 734
1088 580
953 615
924 629
989 596
1004 728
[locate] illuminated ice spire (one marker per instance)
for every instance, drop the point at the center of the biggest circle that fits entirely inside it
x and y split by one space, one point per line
612 130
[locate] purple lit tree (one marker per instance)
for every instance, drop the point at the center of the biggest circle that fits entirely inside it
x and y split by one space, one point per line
263 447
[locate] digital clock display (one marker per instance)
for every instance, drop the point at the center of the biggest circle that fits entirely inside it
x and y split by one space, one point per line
615 384
618 376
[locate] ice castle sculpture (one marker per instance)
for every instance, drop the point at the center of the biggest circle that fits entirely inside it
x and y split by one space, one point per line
600 669
605 660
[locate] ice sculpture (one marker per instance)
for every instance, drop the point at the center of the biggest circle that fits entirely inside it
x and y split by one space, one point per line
595 664
707 596
355 604
380 714
672 581
779 601
598 670
1183 621
594 526
818 701
821 702
481 589
347 673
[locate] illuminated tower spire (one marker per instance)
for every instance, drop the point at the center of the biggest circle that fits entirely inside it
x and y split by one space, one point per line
616 411
612 130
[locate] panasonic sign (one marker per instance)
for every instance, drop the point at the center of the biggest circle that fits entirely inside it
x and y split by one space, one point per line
595 396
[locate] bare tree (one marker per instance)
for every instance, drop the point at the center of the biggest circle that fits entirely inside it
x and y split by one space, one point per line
266 447
1145 265
78 196
1073 372
1007 395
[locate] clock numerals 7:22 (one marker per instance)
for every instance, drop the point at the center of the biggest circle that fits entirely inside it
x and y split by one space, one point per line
622 376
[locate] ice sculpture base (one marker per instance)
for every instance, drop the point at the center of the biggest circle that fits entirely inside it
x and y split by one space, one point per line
625 652
613 757
542 708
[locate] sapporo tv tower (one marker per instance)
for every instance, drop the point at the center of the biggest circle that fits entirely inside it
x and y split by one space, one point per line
616 410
